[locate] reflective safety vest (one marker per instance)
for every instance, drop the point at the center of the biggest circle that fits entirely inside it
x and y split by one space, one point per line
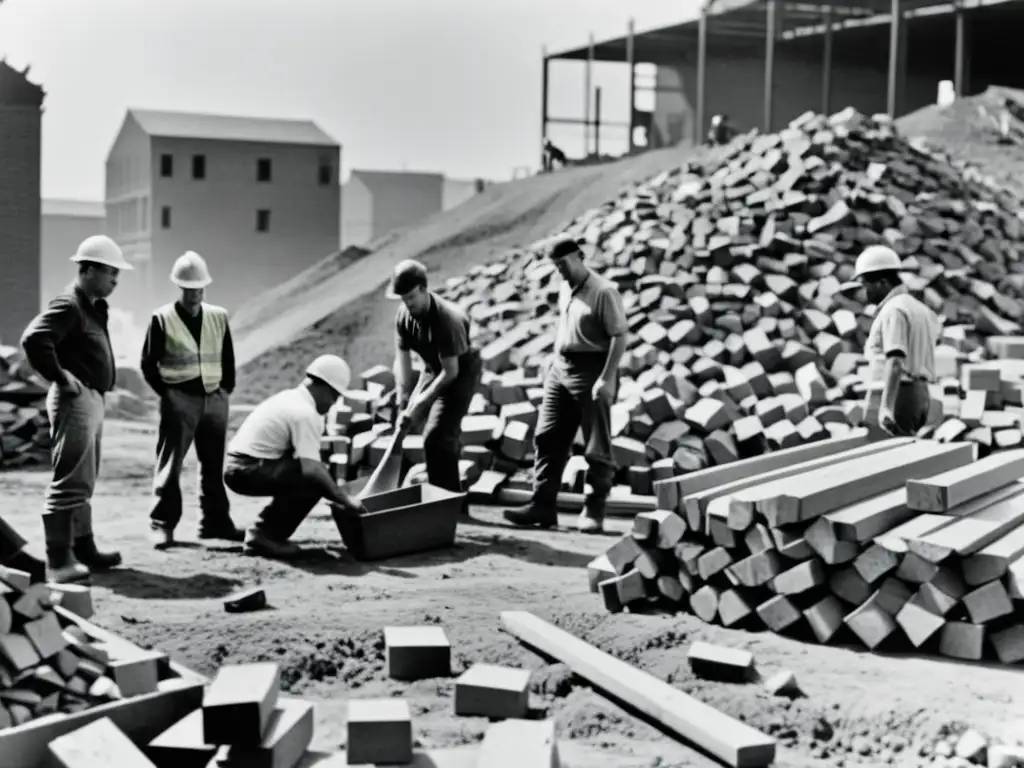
184 360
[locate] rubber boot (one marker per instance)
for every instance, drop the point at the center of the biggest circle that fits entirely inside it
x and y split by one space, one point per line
85 545
591 519
533 515
64 568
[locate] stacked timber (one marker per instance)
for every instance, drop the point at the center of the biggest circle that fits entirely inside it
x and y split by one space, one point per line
894 544
24 426
739 340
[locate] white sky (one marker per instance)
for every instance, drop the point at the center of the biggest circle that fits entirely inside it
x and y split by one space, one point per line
451 86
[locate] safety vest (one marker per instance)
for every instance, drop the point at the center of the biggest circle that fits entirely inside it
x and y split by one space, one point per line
184 360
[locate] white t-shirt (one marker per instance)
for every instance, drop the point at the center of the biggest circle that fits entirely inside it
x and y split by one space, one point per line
285 424
903 324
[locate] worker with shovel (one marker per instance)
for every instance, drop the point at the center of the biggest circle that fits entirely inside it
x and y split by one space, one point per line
276 453
900 348
579 389
438 331
188 359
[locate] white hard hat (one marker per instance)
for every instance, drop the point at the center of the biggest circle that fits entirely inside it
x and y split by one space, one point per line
190 271
876 258
100 249
332 371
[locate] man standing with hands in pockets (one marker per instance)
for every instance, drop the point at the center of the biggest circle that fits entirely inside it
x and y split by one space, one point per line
579 390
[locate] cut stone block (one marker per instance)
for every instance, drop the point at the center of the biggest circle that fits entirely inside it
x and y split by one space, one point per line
487 690
417 653
379 731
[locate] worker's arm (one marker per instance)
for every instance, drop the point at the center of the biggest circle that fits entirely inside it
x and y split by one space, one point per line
403 367
44 333
152 351
894 365
449 373
227 363
613 316
306 443
452 340
895 332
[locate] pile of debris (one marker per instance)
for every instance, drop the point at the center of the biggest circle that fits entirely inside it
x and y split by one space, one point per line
24 426
740 342
900 543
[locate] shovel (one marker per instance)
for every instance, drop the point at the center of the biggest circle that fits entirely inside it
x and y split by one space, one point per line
388 473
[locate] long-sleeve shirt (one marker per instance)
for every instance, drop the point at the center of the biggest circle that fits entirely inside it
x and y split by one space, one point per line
70 336
153 352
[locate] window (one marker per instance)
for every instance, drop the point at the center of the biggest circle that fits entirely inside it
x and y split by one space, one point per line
198 166
263 169
167 166
263 220
165 217
325 174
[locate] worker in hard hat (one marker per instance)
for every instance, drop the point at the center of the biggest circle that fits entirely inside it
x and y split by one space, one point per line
438 331
13 553
188 359
579 389
68 345
276 453
900 348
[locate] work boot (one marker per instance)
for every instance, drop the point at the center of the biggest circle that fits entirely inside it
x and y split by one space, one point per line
161 538
222 529
591 519
261 545
533 515
85 545
33 566
63 566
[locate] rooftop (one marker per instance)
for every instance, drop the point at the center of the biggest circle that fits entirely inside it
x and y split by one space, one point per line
16 89
192 125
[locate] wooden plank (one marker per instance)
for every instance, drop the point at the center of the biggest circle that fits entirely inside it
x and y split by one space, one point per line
863 520
968 535
993 561
731 741
895 540
831 488
942 492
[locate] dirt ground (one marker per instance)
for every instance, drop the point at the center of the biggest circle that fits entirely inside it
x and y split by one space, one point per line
328 611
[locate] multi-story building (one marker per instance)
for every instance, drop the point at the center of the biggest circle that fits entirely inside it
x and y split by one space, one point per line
258 198
21 119
65 224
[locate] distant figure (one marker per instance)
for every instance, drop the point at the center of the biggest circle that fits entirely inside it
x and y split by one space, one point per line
553 154
721 131
479 186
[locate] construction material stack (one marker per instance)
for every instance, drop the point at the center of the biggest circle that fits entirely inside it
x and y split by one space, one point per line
899 543
740 342
24 426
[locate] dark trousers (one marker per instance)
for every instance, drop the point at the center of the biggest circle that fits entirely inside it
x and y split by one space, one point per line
567 406
186 418
442 434
292 496
913 401
11 542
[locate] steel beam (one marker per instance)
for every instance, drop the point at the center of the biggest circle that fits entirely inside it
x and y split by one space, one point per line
769 62
631 63
588 78
702 74
826 66
959 82
894 57
545 64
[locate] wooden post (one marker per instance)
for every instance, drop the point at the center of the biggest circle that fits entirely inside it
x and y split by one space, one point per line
894 51
702 74
826 71
597 121
631 63
769 63
588 77
959 83
545 63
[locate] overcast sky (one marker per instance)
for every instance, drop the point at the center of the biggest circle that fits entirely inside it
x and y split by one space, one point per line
451 86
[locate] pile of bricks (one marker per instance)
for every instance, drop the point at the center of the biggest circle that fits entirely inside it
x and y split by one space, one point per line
740 342
898 544
24 426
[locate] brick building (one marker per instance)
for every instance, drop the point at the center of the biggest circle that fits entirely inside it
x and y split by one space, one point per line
21 117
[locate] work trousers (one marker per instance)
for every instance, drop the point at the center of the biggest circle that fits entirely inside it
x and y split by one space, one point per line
186 418
76 430
568 405
442 434
11 542
913 401
292 496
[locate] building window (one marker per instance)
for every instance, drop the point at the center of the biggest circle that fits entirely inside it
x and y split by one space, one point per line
263 169
263 220
165 217
198 166
167 166
325 174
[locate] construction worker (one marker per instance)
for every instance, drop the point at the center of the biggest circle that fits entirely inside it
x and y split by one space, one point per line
276 452
438 331
900 348
188 359
14 555
68 345
578 391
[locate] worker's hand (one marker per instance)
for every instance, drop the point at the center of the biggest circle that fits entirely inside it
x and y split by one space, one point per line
416 412
887 421
603 390
71 386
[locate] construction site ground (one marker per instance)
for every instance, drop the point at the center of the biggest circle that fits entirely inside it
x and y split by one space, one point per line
327 613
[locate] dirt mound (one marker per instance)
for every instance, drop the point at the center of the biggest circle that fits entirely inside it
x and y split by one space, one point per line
344 311
968 131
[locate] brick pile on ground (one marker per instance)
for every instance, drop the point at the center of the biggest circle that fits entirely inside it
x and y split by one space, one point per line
24 426
899 544
739 341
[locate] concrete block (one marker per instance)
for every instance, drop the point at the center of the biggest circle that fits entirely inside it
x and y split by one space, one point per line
487 690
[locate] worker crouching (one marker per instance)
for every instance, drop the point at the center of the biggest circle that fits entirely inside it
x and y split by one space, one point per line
188 359
276 453
579 389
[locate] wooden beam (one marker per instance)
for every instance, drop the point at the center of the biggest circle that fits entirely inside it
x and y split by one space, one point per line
968 535
941 493
731 741
771 33
894 53
702 76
